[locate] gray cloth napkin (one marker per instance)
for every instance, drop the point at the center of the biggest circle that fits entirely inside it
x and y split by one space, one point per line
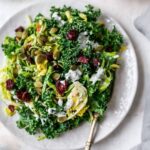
142 23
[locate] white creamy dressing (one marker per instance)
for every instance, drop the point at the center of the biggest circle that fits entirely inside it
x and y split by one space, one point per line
51 111
73 75
60 102
97 76
62 82
94 45
15 97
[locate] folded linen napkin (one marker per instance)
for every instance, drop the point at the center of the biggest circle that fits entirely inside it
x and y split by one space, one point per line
142 23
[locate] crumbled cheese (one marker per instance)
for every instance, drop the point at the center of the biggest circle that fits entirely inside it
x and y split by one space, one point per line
73 75
85 33
97 76
95 45
83 38
62 22
56 16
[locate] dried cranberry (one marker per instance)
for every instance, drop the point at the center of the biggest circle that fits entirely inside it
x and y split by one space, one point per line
49 56
95 62
11 108
23 95
19 29
61 86
72 35
10 84
19 94
83 59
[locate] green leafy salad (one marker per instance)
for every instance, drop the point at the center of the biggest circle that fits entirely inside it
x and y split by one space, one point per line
60 70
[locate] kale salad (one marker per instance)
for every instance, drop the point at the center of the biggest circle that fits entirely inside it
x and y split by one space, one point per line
60 70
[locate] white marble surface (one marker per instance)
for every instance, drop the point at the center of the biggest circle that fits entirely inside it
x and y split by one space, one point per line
128 134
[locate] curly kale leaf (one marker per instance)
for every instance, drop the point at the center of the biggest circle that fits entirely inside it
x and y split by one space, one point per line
92 13
98 101
53 129
69 52
61 12
111 40
10 47
27 120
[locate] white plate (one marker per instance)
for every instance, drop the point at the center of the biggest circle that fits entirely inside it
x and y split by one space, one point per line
122 99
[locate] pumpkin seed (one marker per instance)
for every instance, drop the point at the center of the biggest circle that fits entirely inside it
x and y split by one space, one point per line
69 16
40 58
74 67
62 119
24 35
83 16
53 30
56 54
18 34
99 48
56 76
41 39
38 84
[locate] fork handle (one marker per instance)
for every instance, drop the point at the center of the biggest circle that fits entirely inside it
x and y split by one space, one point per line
89 141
